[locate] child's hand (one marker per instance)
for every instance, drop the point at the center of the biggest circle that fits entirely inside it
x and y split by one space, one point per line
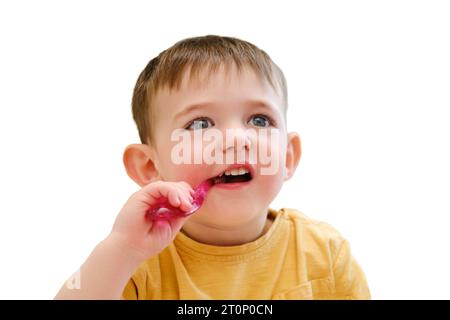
141 237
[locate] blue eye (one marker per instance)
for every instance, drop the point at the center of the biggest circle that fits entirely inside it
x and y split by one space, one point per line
199 123
260 120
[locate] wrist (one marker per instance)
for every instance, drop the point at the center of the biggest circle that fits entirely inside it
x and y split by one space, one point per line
118 245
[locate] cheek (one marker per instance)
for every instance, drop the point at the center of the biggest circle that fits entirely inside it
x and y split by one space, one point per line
271 166
267 187
193 174
190 173
178 159
272 172
272 155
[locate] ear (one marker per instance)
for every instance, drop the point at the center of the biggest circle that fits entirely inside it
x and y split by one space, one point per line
293 154
139 164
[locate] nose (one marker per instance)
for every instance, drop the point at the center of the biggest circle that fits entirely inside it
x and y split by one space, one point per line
238 139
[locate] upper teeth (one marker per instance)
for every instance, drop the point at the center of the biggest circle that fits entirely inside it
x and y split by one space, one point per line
236 172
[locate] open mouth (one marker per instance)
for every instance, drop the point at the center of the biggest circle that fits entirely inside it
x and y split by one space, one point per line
234 175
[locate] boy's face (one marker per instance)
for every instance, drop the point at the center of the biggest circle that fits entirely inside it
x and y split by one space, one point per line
247 128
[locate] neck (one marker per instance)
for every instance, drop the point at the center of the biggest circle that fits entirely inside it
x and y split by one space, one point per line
217 236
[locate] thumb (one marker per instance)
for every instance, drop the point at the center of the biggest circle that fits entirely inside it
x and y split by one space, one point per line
164 231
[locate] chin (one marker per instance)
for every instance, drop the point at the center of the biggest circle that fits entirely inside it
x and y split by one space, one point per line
227 215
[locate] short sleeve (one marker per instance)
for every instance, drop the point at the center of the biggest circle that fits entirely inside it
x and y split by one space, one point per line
130 292
350 280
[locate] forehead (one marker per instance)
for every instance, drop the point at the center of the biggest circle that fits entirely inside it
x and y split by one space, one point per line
222 86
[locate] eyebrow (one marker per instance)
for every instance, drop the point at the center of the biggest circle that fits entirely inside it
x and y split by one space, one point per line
254 103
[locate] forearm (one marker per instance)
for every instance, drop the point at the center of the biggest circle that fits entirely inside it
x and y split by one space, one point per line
104 274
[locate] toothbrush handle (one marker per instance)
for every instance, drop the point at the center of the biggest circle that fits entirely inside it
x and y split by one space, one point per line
164 210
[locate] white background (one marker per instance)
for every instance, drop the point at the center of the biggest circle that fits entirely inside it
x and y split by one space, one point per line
369 90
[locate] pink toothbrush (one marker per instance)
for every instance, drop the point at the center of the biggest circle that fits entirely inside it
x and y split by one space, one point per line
163 210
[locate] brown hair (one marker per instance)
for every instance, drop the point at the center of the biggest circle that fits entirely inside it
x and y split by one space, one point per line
168 67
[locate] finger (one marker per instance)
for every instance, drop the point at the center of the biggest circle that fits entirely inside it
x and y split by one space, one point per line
153 191
173 196
162 189
184 193
177 224
186 199
172 191
185 184
187 187
157 190
186 205
161 232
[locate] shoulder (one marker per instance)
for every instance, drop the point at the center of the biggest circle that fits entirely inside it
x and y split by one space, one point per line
310 229
326 254
318 242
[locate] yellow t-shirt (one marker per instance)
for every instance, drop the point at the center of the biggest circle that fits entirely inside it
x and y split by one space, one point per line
297 258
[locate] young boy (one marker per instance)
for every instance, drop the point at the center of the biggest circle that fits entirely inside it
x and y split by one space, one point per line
234 246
